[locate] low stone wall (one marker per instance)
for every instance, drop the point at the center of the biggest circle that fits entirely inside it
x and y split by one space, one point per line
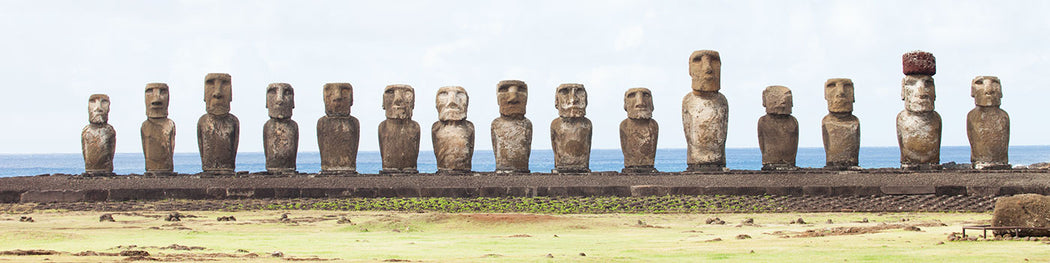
67 188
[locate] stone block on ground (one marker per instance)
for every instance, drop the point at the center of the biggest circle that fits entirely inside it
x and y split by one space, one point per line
1026 210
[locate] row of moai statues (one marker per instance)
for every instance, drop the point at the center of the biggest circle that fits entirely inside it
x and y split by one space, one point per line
705 115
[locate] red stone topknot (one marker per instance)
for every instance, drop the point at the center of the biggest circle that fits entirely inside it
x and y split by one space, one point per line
919 63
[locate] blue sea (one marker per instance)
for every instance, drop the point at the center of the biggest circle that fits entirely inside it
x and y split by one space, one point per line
667 160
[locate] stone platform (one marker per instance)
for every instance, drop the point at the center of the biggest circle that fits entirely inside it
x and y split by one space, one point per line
810 182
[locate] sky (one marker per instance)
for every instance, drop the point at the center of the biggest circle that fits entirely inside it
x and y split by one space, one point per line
54 54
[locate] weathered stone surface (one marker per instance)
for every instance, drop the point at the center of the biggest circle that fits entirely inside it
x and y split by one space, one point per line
705 114
338 133
280 133
98 140
639 132
399 134
1026 210
158 132
918 125
571 131
988 126
778 130
919 63
453 134
218 130
512 132
840 129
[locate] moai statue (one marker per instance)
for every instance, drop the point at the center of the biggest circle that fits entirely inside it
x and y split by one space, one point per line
639 132
338 133
158 132
988 126
840 129
778 130
512 132
399 134
453 134
918 126
705 114
218 131
280 133
98 140
571 131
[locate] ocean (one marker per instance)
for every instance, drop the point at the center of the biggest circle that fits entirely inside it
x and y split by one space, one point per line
667 160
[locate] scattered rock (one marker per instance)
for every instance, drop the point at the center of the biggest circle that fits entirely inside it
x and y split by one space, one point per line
343 220
583 254
912 228
520 235
956 166
798 221
31 252
173 217
134 253
743 236
830 222
713 240
242 250
226 218
106 218
26 219
284 218
277 254
715 221
749 221
940 243
549 255
1039 166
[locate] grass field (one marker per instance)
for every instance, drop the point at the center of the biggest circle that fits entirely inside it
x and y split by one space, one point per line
443 237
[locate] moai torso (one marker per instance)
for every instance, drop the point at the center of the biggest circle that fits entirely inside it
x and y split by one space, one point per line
399 134
158 132
280 133
705 114
512 132
338 133
218 131
840 129
453 134
988 126
571 131
639 132
98 139
919 126
778 130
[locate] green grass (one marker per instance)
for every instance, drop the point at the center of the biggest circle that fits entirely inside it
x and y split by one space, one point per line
445 237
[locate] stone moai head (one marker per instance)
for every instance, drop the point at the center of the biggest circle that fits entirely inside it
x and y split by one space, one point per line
918 93
571 100
777 100
280 100
986 91
338 97
839 94
398 101
512 96
638 102
452 103
218 93
705 66
98 108
157 100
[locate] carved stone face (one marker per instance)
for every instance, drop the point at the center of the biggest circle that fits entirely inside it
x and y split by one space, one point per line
338 97
512 96
98 108
280 100
777 100
705 66
918 93
638 102
218 92
398 101
157 100
839 94
571 100
986 91
452 103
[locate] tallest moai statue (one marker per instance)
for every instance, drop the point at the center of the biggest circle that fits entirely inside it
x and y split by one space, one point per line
705 114
218 131
918 125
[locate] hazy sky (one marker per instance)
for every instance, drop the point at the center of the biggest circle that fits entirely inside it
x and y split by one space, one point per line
56 53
